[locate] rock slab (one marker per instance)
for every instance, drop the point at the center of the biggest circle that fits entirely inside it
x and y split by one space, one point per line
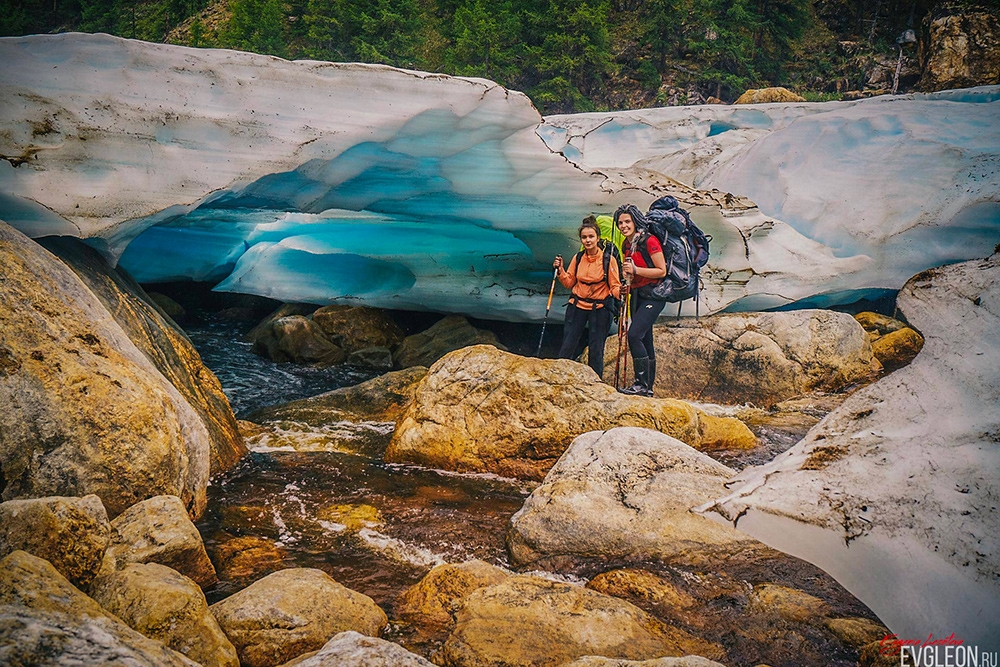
623 493
292 612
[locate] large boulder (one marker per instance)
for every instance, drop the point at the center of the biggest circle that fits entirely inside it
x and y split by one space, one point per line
532 622
760 358
428 603
624 494
354 419
480 409
446 335
768 95
897 349
297 339
163 343
893 493
71 533
85 411
45 620
166 606
292 612
353 649
158 531
963 50
355 328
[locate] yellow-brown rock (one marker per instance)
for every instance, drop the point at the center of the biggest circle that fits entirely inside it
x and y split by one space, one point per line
166 606
759 358
292 612
527 621
768 95
71 533
632 584
355 328
856 632
45 620
877 324
297 339
446 335
898 348
352 517
429 603
158 531
789 603
963 50
724 433
162 342
483 410
684 661
85 411
248 558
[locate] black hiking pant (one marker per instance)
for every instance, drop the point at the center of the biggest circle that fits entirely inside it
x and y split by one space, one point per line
598 322
640 331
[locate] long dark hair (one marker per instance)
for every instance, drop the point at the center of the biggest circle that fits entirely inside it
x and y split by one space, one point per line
640 225
637 217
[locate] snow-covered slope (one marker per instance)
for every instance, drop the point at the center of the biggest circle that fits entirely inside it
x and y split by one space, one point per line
895 493
912 181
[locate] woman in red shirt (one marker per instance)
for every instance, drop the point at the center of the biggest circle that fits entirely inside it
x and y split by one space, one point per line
588 305
644 312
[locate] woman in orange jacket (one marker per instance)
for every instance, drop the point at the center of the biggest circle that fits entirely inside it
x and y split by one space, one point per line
593 282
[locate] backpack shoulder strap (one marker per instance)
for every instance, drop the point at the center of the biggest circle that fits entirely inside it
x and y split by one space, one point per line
644 250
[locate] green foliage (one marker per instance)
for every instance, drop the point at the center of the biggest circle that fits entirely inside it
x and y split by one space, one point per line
255 25
485 41
569 55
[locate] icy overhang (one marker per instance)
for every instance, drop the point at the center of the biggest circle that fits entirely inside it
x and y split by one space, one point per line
322 182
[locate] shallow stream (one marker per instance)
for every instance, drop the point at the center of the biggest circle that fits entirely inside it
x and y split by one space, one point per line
378 528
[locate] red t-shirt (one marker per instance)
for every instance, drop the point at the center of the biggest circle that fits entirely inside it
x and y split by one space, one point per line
652 247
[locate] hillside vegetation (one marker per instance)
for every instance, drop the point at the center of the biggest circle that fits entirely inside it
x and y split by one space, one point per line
568 55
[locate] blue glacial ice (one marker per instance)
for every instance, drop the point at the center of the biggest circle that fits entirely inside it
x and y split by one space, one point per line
326 183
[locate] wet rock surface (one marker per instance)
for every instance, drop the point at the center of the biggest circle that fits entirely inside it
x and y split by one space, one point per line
483 410
292 612
85 410
159 531
71 533
166 606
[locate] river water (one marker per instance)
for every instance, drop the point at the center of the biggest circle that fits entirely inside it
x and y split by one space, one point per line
378 528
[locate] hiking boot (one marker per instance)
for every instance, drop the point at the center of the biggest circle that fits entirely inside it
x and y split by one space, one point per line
643 385
652 376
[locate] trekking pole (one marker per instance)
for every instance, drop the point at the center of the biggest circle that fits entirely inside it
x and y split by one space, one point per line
623 322
618 355
552 290
628 323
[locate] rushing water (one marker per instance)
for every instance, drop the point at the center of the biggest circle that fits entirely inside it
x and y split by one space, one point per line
378 528
253 382
414 518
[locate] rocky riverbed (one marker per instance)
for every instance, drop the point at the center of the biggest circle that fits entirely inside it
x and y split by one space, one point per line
473 507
